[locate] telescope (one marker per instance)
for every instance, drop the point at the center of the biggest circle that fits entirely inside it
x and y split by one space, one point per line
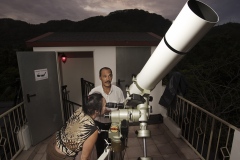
192 23
114 105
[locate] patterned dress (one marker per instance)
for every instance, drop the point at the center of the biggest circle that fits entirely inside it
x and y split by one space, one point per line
71 137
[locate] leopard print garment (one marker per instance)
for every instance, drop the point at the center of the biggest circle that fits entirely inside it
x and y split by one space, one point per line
71 137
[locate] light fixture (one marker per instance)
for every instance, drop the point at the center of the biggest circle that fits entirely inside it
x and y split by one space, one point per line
63 58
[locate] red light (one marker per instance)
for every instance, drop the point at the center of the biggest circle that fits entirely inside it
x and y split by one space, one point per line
64 58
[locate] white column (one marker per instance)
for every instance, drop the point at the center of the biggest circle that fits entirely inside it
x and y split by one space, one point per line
235 154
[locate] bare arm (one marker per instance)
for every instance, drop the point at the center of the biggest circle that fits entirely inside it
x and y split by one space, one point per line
88 146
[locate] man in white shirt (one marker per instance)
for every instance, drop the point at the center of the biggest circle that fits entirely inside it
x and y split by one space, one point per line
112 94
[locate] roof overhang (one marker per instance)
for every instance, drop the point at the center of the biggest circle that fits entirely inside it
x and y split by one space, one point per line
53 39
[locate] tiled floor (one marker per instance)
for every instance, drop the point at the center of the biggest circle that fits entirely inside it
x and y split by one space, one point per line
162 145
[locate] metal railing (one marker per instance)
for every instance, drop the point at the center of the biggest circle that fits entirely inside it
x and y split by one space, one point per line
86 87
68 106
11 122
208 135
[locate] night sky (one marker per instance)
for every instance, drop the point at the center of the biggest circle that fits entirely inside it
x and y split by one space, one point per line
41 11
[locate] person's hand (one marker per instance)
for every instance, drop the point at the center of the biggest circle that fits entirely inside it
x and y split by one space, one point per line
107 110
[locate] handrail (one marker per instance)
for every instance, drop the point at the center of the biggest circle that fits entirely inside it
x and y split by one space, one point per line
209 113
10 110
208 135
86 87
69 108
72 102
11 124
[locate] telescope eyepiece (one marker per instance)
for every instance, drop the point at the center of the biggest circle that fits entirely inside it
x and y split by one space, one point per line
115 105
107 116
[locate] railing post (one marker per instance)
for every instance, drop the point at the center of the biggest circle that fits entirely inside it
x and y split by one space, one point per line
235 154
210 140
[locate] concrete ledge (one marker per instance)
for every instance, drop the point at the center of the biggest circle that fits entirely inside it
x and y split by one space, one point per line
172 126
235 154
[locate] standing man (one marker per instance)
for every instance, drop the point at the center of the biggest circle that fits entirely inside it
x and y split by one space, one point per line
112 94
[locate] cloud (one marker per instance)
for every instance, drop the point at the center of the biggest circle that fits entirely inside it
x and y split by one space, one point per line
227 10
35 11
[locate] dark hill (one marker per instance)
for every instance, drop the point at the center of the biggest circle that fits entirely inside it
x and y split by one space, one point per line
127 21
15 33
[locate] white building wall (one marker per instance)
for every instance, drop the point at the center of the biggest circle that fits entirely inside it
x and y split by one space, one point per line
104 57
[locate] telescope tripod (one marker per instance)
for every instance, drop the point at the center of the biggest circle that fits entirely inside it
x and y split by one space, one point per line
113 151
110 154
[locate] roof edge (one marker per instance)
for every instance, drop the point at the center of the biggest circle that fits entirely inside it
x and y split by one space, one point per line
155 35
39 37
72 44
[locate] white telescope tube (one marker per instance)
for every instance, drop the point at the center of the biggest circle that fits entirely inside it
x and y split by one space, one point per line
191 24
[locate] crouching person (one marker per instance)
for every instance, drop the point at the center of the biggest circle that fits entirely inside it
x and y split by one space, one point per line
77 138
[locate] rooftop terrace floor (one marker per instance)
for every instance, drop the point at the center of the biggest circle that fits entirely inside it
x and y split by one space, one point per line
162 145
